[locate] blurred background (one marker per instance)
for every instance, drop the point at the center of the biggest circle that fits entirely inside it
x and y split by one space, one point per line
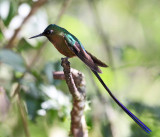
124 34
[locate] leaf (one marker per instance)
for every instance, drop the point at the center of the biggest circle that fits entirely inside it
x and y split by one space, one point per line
33 97
13 59
32 106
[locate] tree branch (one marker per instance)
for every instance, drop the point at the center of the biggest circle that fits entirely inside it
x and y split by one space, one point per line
76 85
35 7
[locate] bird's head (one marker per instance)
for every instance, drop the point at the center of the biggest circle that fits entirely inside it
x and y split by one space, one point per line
52 29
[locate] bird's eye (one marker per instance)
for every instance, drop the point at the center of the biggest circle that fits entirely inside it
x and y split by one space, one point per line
49 32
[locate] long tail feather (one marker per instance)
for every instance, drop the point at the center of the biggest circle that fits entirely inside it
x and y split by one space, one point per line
139 122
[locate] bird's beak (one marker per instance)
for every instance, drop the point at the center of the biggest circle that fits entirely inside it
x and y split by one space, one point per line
37 36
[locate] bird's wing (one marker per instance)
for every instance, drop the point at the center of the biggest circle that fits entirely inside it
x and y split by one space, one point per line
75 46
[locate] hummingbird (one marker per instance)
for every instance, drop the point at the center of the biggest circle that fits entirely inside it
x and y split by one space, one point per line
68 45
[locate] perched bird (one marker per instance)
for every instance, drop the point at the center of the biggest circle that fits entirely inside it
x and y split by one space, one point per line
68 45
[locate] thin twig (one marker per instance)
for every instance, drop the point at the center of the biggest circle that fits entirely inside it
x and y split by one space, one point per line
22 111
76 85
16 90
59 75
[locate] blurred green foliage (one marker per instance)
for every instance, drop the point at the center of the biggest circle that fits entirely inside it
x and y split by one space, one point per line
132 30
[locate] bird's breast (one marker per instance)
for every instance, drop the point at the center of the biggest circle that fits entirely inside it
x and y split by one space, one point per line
60 44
